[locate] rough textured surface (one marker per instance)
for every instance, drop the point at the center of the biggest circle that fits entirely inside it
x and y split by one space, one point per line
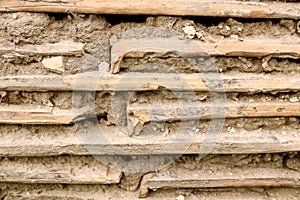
95 31
166 7
58 154
63 169
166 47
80 192
252 135
224 171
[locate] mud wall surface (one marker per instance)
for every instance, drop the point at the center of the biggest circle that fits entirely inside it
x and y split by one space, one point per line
102 100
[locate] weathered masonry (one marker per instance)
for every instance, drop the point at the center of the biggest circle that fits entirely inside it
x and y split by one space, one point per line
167 99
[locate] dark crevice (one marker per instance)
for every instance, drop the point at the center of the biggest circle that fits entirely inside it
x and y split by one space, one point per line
117 19
103 117
58 16
214 21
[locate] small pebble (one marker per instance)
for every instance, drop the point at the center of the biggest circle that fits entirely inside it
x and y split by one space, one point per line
166 132
284 133
2 95
200 35
232 130
54 64
180 197
189 31
69 17
294 100
202 98
234 37
15 16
